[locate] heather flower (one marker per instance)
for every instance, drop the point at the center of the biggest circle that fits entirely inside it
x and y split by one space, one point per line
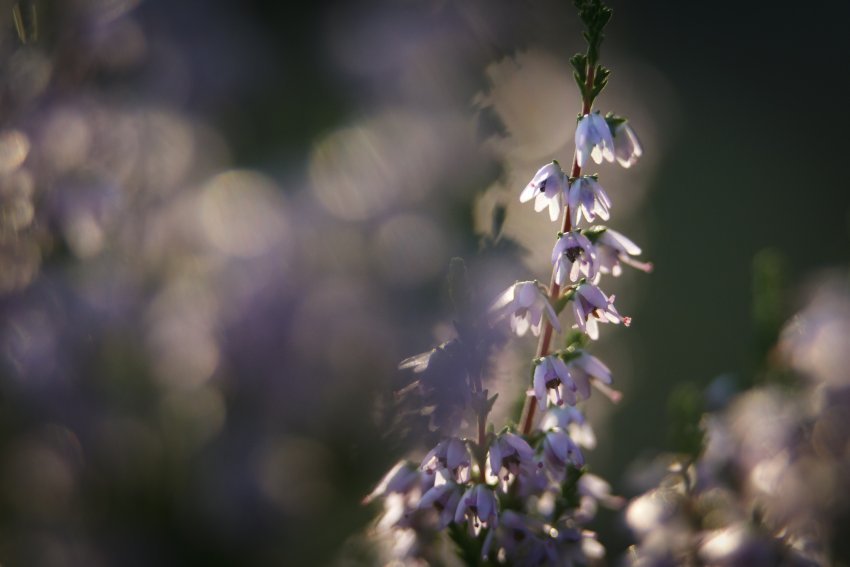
526 303
587 196
510 455
552 380
613 248
546 188
574 257
627 148
480 506
571 420
559 450
593 138
444 497
451 454
585 370
591 305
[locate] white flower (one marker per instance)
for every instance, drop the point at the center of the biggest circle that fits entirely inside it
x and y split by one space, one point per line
627 148
593 138
591 305
479 504
526 303
587 196
546 188
613 248
573 256
552 381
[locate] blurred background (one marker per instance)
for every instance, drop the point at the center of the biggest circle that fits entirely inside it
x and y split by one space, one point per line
223 224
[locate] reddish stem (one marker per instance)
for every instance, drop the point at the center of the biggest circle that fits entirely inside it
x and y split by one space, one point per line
544 346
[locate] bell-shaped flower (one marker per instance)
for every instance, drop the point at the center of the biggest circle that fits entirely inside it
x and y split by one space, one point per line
559 450
585 370
451 454
444 497
590 306
509 457
546 188
552 381
480 506
593 139
627 148
571 420
613 248
526 304
574 257
586 196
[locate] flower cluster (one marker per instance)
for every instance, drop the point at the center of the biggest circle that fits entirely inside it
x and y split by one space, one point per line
765 489
522 496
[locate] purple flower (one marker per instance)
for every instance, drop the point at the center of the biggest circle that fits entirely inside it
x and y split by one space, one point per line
444 496
546 188
587 196
451 454
591 305
526 303
613 248
559 450
510 455
593 138
480 506
552 380
575 257
627 148
587 369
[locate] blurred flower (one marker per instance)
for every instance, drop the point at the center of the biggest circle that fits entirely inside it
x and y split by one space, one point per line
574 256
526 303
587 196
444 497
593 138
559 450
546 187
571 420
627 148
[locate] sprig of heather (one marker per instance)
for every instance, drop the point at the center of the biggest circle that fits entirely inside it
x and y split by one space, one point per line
522 495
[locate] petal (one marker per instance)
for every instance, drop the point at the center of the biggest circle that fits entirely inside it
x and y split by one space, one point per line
520 325
539 383
553 317
504 300
495 458
554 208
457 454
527 193
592 328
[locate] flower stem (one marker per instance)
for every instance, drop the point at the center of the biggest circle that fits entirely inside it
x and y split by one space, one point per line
544 345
